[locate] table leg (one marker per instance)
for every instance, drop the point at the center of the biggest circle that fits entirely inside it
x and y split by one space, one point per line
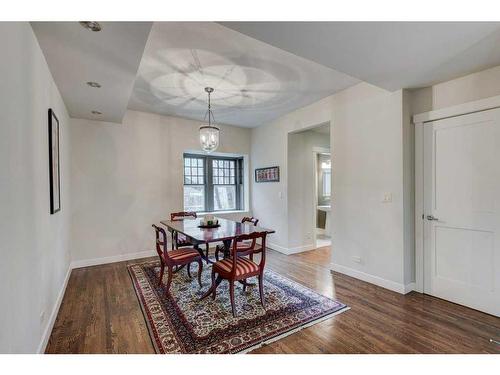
212 288
227 248
205 257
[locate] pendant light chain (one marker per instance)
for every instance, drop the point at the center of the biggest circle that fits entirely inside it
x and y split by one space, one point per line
210 113
209 110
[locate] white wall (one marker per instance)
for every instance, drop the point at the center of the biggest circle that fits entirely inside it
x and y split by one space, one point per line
301 188
34 245
461 90
408 188
368 153
127 176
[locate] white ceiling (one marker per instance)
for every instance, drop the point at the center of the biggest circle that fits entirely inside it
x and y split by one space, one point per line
254 82
391 55
260 70
111 57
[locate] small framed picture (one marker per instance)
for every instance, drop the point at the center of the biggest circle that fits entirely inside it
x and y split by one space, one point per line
269 174
54 168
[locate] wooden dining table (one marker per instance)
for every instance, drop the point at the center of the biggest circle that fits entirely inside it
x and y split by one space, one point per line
225 232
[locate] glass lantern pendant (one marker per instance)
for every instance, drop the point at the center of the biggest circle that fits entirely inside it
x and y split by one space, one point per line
209 134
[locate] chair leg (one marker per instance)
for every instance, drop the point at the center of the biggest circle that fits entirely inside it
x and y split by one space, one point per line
188 267
200 270
245 286
231 295
261 290
169 281
161 273
213 284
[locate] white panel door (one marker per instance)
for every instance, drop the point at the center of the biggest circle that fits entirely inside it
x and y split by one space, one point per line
462 210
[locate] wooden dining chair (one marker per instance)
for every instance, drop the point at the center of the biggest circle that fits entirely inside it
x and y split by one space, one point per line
238 268
251 219
175 258
180 240
243 245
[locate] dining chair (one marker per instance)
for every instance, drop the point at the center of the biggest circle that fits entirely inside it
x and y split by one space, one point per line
180 240
239 268
243 245
251 219
175 258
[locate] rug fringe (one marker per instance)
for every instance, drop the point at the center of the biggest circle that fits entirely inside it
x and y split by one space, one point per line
292 331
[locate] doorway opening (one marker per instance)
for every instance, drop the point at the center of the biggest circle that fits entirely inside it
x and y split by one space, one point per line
309 188
323 168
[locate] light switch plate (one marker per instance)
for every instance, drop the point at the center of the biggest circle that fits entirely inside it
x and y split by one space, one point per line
387 198
356 259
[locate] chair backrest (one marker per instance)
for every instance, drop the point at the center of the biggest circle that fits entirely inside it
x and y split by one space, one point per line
161 244
174 216
252 220
253 237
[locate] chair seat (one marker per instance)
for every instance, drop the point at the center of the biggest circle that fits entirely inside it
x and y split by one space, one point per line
183 254
243 266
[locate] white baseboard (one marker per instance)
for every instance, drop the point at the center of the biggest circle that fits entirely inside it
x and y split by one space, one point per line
290 250
372 279
112 259
53 314
410 287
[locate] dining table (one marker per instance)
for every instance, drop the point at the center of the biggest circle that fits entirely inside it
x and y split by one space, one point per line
226 231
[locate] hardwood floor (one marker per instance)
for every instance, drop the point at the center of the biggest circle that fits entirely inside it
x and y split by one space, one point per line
100 314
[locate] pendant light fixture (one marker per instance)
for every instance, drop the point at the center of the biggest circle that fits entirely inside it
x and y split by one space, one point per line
209 134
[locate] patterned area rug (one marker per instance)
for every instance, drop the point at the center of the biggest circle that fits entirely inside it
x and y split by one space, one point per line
182 323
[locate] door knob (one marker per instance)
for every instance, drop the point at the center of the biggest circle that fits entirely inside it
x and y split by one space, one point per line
430 217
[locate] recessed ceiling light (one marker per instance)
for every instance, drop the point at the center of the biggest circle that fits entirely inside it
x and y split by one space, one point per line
91 25
94 84
96 113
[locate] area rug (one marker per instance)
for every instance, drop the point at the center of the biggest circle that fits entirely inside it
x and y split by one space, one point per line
182 323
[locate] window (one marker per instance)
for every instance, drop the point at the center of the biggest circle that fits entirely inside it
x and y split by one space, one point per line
212 183
194 184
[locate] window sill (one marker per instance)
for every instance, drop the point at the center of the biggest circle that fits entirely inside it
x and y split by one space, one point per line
215 213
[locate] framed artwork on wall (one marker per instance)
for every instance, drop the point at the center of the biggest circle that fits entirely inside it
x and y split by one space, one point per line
269 174
54 168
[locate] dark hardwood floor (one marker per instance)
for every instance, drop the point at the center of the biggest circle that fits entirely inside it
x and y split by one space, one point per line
100 314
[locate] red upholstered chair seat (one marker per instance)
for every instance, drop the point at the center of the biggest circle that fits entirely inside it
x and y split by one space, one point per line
182 254
244 266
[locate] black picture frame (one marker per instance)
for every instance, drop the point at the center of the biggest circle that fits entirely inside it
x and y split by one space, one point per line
54 164
268 174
